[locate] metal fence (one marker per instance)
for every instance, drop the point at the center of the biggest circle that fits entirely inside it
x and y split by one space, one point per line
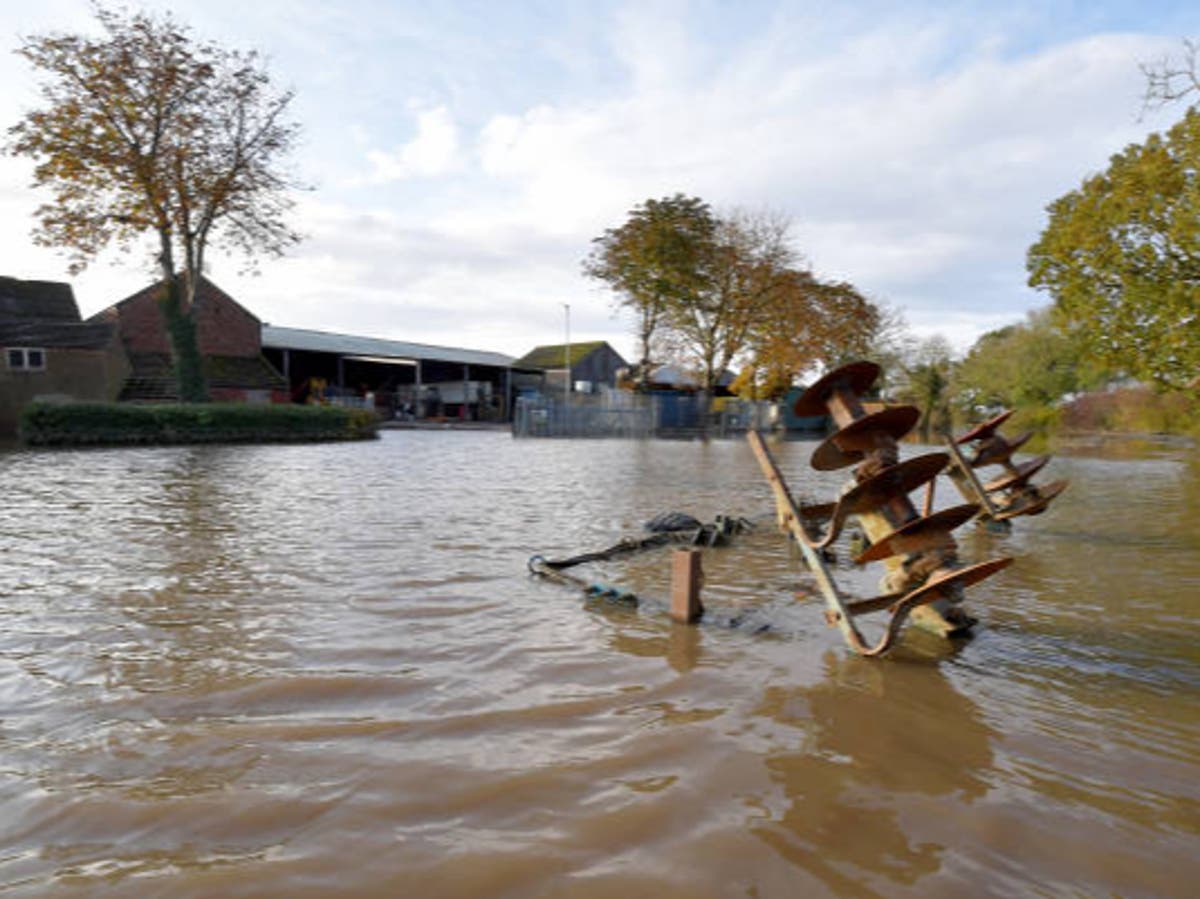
632 415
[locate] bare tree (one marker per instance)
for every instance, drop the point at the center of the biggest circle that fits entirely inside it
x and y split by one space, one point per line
1169 80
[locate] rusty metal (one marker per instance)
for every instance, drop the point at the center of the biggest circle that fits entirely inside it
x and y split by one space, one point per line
928 532
877 490
1010 493
923 578
1016 475
996 450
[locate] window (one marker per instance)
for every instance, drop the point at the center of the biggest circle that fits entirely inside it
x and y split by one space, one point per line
26 359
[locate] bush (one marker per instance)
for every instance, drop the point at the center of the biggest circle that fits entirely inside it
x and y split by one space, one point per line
123 424
1137 410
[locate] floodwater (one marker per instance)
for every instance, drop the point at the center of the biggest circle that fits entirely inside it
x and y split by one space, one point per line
323 670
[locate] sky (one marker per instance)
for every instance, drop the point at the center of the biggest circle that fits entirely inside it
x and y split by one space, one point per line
461 156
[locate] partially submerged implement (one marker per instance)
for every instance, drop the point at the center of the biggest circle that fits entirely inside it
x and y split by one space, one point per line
924 578
1010 493
923 581
668 528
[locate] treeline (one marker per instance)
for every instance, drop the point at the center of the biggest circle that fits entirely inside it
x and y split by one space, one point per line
1118 348
1044 371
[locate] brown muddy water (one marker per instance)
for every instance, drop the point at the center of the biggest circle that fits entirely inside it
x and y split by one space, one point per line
323 671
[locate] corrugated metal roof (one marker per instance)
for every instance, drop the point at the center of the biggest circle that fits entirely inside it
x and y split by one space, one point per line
351 345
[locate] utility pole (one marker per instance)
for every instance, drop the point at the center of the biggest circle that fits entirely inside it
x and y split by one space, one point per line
567 356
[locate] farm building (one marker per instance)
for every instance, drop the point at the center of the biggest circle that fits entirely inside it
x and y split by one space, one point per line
408 380
229 338
593 364
48 351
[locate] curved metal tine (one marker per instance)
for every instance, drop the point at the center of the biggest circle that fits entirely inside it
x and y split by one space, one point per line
998 450
894 481
933 589
1048 493
985 430
813 512
919 534
1017 476
847 446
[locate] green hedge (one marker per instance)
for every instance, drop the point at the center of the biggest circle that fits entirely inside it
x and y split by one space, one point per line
123 424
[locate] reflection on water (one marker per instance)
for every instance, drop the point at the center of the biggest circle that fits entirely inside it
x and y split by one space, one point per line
305 671
842 782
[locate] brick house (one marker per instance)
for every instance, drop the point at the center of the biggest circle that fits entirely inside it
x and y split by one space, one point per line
229 337
46 350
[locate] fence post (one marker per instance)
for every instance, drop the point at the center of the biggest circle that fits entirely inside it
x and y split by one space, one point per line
686 578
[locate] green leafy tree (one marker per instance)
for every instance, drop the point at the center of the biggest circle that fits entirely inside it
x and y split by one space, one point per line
654 261
927 377
1029 364
145 130
1121 258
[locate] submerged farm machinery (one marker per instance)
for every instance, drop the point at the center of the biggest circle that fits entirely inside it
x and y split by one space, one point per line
1010 493
923 577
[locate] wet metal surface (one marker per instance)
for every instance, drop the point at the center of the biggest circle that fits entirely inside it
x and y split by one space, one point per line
315 671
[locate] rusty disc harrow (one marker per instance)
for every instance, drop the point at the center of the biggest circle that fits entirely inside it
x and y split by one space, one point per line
924 579
1012 492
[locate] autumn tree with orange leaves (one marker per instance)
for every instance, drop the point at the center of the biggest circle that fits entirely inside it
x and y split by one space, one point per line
809 324
146 130
717 290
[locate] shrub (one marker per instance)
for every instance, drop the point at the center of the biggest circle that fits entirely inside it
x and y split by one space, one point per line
1135 410
120 424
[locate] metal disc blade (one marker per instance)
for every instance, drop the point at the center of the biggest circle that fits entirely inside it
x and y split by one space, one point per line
895 481
986 429
818 511
920 533
1053 489
1033 503
937 586
874 604
1016 478
998 452
849 444
857 376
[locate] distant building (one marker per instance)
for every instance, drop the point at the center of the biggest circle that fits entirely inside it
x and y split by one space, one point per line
670 377
407 380
229 338
592 364
47 351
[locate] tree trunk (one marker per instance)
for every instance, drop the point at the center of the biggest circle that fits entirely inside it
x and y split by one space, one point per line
181 332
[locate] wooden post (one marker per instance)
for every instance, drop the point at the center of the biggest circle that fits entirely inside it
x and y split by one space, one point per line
686 578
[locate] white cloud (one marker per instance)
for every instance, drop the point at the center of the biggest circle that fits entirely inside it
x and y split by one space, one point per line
915 158
901 177
434 150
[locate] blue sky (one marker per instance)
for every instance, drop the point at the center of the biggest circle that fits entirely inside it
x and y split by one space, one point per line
462 155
